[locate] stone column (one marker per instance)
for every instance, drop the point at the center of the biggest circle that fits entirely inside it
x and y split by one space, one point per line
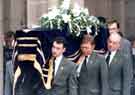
1 49
122 15
35 9
16 14
6 15
91 5
103 8
99 7
129 19
53 3
118 12
106 8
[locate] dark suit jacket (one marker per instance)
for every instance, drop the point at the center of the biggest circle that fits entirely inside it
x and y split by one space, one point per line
126 48
126 45
94 81
120 74
65 80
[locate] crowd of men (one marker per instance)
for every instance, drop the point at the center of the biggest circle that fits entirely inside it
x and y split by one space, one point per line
111 73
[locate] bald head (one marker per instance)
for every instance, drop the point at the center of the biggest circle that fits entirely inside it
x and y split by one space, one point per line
115 37
114 41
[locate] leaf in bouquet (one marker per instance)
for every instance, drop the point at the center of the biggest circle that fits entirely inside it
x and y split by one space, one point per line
43 19
75 28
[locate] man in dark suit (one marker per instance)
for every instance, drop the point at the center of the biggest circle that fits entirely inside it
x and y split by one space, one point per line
64 81
119 67
92 70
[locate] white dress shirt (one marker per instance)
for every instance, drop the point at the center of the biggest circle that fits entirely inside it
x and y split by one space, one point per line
111 56
57 63
80 65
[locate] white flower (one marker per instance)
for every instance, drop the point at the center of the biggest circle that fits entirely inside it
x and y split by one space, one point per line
93 19
76 12
86 11
53 13
76 6
66 18
89 30
98 22
65 4
44 15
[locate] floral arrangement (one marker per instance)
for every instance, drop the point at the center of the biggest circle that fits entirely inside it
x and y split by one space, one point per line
78 19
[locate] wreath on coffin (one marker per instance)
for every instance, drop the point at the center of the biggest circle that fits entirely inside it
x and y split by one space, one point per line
77 19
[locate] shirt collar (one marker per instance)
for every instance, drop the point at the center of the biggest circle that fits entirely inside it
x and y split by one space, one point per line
112 53
58 59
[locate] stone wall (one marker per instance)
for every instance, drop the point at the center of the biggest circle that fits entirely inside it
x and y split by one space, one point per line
130 19
35 9
1 49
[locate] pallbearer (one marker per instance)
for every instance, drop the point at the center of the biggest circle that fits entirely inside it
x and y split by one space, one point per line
92 70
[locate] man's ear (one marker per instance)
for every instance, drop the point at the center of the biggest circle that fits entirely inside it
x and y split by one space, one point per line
119 45
118 30
93 46
64 49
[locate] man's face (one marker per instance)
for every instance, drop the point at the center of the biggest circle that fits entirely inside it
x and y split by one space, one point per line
113 28
57 49
113 44
9 42
87 48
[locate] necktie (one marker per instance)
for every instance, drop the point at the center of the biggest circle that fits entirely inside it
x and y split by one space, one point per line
84 68
108 58
83 72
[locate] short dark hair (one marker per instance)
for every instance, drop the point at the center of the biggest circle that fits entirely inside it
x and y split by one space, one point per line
60 40
9 34
88 38
102 19
111 21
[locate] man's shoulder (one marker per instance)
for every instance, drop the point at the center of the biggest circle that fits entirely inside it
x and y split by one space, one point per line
126 41
68 62
121 54
99 56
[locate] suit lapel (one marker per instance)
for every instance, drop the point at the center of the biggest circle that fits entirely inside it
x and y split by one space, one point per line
60 69
115 58
91 61
91 58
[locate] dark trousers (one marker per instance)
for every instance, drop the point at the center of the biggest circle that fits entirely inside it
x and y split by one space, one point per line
28 83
